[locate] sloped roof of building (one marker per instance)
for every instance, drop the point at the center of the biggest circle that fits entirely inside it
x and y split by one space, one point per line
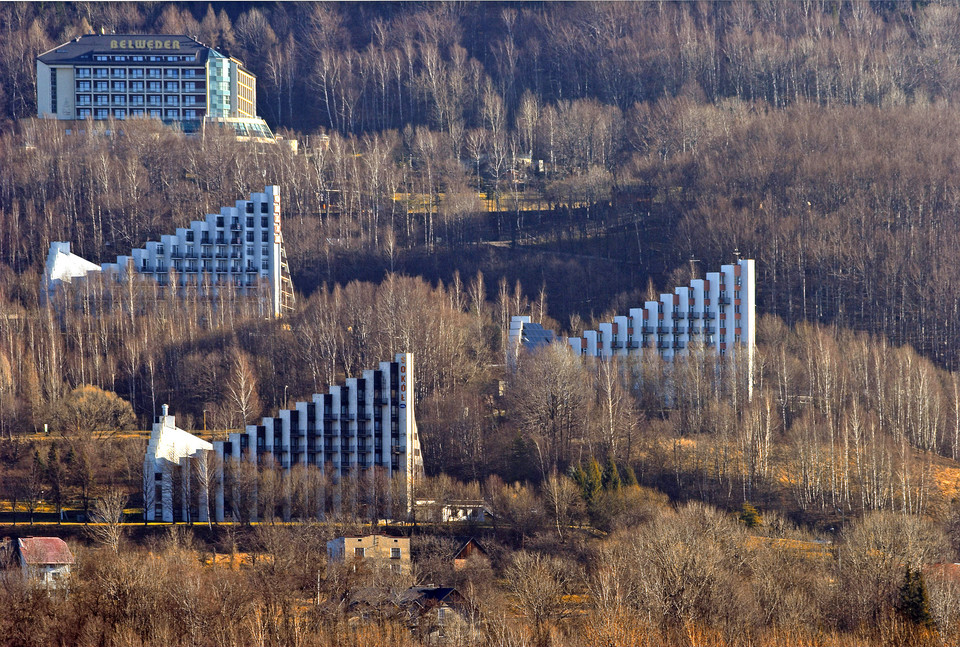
424 595
464 543
83 48
534 335
63 265
40 551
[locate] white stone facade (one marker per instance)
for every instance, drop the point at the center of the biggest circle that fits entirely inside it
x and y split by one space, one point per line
716 314
241 246
171 454
363 425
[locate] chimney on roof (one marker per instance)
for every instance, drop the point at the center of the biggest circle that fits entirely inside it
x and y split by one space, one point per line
166 410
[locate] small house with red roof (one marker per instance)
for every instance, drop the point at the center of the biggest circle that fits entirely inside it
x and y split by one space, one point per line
47 559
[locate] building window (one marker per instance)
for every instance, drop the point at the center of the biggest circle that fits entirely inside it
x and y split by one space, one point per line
264 222
249 236
265 237
394 553
263 207
358 552
53 89
264 251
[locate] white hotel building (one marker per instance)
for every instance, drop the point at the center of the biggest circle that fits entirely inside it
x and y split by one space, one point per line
364 424
127 76
717 313
241 246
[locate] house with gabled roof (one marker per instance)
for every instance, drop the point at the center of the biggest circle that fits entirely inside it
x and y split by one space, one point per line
47 560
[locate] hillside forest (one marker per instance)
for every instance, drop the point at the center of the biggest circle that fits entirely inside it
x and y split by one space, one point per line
462 163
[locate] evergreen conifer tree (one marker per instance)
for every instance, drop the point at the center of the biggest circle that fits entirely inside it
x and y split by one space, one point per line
914 602
611 477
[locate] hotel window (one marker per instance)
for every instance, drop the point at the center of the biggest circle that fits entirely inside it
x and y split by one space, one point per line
137 73
154 73
155 114
136 112
249 236
101 72
189 114
250 251
102 113
264 222
263 208
173 114
83 86
249 222
83 100
119 73
83 113
189 235
264 251
120 113
83 72
265 237
119 86
219 221
101 86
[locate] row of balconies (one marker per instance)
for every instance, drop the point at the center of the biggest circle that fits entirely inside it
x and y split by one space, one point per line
170 87
326 447
178 254
663 330
137 73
